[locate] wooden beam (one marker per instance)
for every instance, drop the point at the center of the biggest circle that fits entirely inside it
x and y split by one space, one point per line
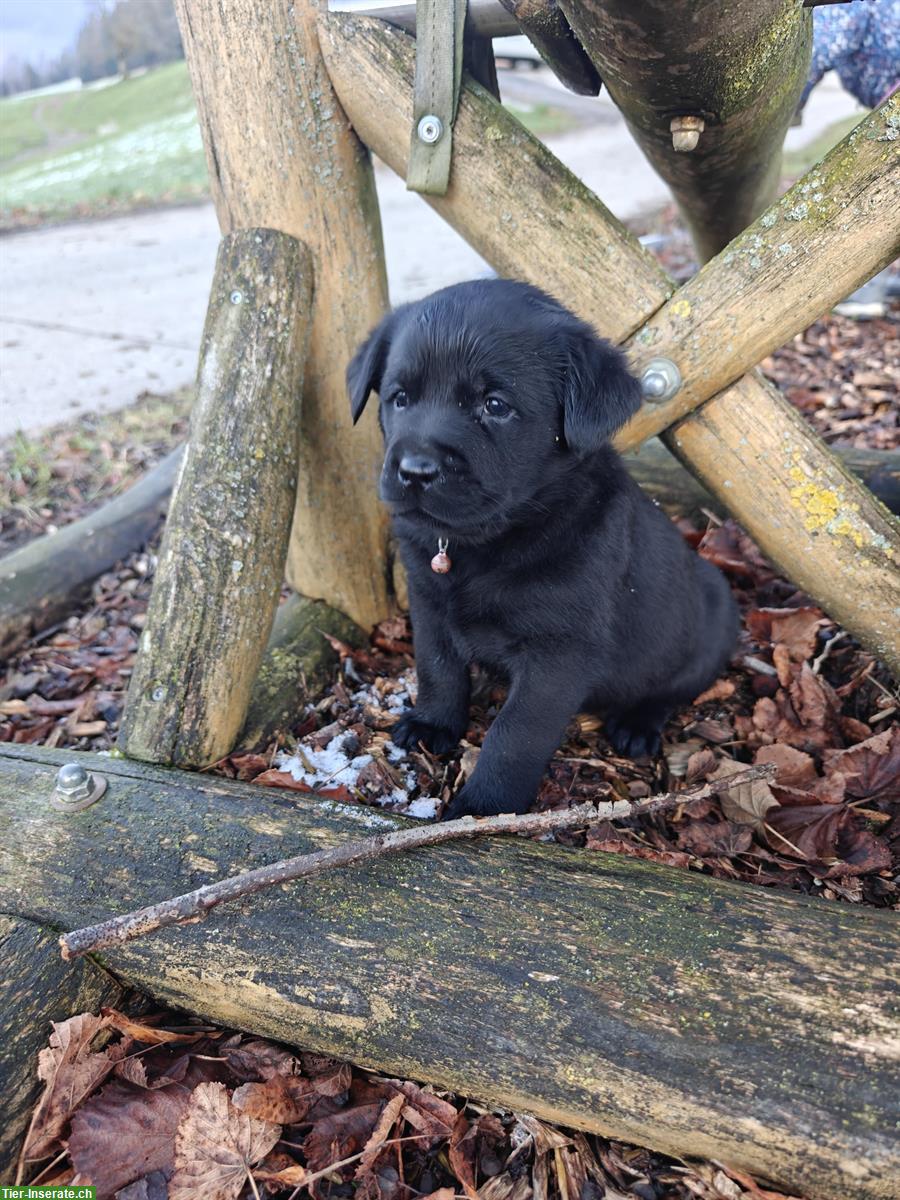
661 1006
41 582
487 17
281 155
831 232
221 563
531 219
740 72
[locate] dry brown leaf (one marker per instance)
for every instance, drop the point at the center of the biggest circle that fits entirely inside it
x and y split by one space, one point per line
461 1153
284 1099
71 1071
339 1135
504 1187
389 1116
720 690
793 768
546 1137
258 1059
216 1145
148 1034
871 769
748 803
445 1193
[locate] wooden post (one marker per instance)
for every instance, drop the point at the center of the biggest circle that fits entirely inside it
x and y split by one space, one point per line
740 69
282 155
657 1005
528 216
221 563
551 34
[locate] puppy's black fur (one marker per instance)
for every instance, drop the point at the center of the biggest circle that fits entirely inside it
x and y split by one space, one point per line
497 406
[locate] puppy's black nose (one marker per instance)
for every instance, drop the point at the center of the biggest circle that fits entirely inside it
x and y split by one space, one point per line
417 468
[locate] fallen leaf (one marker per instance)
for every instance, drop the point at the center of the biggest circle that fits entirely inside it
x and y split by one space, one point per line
146 1033
152 1187
793 768
71 1071
794 628
461 1153
720 690
748 803
339 1135
871 769
283 1099
258 1058
284 779
216 1145
390 1114
705 838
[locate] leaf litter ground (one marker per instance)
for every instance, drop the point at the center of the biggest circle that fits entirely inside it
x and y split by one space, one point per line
158 1105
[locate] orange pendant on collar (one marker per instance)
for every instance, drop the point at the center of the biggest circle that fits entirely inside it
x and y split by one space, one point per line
441 563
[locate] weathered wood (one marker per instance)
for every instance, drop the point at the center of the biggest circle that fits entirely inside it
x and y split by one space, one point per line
281 155
221 563
661 1006
680 493
36 987
831 232
552 36
40 583
488 18
741 71
824 530
298 662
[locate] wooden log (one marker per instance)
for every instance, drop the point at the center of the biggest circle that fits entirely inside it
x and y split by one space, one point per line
35 989
664 1007
552 36
298 662
680 493
831 232
824 530
488 18
40 583
281 155
741 73
221 563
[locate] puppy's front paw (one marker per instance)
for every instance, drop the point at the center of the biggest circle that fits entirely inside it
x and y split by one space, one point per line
632 735
413 728
477 801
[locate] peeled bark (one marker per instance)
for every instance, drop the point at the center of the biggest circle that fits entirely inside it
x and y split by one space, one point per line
221 563
660 1006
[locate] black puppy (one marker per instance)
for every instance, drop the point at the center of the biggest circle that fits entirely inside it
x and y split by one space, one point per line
497 406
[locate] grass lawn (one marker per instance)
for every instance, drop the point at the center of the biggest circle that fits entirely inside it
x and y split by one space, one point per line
85 150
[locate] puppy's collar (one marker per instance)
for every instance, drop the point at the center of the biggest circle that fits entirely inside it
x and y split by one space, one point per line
441 563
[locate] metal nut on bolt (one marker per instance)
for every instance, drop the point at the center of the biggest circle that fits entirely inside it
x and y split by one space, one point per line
660 380
686 133
76 788
430 129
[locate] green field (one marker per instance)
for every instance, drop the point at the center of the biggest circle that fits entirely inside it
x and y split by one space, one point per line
130 142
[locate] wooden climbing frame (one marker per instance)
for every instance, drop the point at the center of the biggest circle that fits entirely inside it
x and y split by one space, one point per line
292 98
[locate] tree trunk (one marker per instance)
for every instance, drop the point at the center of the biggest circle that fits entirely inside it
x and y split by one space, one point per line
740 69
40 583
36 987
660 1006
281 154
222 559
529 217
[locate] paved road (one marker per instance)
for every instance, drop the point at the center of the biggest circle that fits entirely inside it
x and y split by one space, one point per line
91 314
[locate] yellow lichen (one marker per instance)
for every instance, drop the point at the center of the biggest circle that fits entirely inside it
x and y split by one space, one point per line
825 508
680 308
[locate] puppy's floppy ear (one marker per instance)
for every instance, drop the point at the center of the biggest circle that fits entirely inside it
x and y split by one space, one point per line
599 392
367 365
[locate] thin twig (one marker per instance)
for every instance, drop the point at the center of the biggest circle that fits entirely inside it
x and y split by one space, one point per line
193 906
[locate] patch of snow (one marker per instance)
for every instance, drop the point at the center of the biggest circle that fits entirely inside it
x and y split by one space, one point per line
330 765
425 808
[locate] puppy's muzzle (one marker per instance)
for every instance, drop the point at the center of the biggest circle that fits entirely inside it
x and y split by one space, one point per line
417 470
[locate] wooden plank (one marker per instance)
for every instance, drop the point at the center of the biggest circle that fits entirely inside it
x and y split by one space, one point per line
36 987
529 217
281 155
221 563
661 1006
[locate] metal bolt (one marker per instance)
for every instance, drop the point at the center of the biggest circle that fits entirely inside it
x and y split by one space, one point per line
76 788
686 133
660 380
430 129
236 296
158 694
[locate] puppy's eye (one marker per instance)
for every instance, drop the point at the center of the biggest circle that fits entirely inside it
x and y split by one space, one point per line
400 399
495 407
